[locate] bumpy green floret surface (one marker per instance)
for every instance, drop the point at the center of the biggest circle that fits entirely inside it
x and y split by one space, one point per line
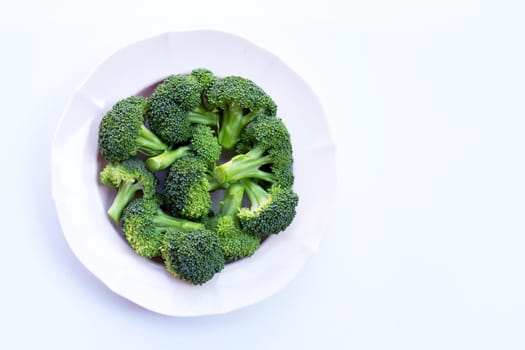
235 243
131 170
266 142
270 134
128 177
266 132
271 212
238 92
140 230
177 103
240 100
204 145
204 76
122 133
193 256
186 189
144 225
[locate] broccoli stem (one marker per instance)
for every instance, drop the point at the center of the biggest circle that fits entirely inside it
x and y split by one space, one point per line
125 194
213 184
256 194
166 158
232 201
163 220
149 143
244 166
233 122
201 115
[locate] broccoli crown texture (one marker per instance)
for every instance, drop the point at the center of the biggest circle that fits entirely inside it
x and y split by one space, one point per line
265 132
271 211
270 134
144 224
235 243
240 101
203 144
128 177
186 189
204 76
265 142
122 133
177 103
193 256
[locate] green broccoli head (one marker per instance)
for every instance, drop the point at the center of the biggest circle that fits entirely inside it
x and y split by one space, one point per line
122 133
177 103
240 100
271 211
271 135
128 177
203 145
282 166
144 225
204 76
265 132
235 243
266 143
193 256
186 189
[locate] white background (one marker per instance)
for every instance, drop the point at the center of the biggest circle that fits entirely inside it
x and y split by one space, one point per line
425 100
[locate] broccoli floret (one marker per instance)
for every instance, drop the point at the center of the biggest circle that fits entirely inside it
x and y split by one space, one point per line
267 143
271 211
144 224
203 144
235 243
122 133
177 103
129 177
193 256
193 117
187 187
240 100
204 76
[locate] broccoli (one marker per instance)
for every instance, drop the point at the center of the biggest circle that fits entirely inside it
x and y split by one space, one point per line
235 243
184 126
271 211
203 144
187 187
240 100
193 256
144 224
129 177
122 133
266 142
205 78
177 103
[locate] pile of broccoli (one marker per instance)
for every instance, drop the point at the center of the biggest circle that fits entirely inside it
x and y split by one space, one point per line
184 132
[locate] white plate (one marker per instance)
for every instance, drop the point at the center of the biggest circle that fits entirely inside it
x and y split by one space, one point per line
81 202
